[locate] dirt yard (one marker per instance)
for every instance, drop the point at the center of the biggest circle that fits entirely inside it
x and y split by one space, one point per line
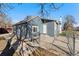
47 45
2 43
77 32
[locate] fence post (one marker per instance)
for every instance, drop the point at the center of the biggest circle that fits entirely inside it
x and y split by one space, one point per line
73 44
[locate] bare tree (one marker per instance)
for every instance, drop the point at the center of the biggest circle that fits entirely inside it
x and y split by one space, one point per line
4 7
69 28
69 22
46 7
5 20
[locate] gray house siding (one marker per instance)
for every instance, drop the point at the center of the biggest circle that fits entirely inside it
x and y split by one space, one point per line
37 21
25 31
50 28
55 29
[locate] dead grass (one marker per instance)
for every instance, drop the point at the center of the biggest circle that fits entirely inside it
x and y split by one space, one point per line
2 43
42 52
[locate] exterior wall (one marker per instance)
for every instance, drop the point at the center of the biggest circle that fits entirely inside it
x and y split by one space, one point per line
53 29
50 28
56 29
44 28
38 22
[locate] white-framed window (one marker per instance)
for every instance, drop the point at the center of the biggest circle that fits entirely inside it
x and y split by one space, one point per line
35 29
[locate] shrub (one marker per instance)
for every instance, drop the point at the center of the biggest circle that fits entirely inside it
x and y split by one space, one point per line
66 33
63 34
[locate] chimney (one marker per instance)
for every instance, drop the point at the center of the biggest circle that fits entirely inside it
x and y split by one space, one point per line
60 25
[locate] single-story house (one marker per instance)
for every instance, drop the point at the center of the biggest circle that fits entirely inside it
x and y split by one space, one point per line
39 25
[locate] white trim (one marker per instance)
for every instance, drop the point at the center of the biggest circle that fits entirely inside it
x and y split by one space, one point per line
35 27
44 28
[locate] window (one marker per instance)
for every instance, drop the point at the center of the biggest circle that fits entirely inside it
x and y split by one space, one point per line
34 28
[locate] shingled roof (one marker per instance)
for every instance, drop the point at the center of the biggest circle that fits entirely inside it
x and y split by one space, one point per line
29 18
25 20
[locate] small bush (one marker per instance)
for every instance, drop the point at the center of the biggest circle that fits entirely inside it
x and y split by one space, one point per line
66 33
63 34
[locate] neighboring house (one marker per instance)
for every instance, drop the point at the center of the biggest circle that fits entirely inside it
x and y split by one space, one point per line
9 27
41 25
77 28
